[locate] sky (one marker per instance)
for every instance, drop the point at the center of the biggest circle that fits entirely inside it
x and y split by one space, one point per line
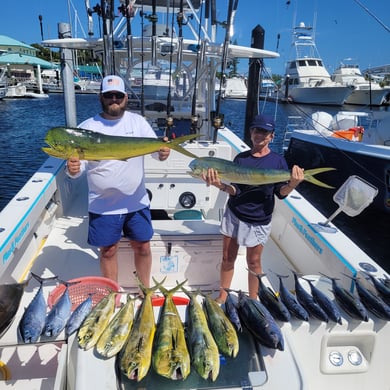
344 29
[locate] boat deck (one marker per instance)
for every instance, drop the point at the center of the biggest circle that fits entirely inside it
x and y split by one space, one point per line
66 254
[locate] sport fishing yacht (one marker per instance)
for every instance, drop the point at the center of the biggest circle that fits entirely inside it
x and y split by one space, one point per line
306 80
43 230
366 92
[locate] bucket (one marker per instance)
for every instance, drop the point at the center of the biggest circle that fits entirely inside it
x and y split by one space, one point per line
98 286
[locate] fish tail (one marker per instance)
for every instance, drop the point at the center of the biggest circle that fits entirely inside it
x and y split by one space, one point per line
189 293
229 290
309 176
327 276
280 275
296 273
149 290
175 144
259 276
67 284
173 290
40 279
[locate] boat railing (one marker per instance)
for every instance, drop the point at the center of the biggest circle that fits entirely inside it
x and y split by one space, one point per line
294 122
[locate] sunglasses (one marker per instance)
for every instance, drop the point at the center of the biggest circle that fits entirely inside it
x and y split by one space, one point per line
111 95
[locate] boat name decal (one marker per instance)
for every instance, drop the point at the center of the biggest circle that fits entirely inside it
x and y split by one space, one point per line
15 242
307 235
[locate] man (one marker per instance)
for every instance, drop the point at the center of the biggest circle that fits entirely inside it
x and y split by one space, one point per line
118 201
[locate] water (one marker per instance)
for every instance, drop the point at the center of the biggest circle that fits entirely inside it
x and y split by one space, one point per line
24 123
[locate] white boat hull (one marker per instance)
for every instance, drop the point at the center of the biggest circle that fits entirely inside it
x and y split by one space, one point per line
366 97
330 96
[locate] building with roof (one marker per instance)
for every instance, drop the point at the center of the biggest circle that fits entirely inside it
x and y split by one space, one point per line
10 45
21 63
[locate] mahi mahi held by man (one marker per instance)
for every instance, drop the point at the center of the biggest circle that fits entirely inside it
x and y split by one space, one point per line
66 142
235 173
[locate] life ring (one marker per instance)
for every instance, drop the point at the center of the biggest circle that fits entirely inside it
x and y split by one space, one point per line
352 134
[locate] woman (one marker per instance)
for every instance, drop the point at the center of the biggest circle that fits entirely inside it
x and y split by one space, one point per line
248 214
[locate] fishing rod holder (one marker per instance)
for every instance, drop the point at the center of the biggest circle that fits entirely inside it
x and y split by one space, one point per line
217 120
194 124
169 121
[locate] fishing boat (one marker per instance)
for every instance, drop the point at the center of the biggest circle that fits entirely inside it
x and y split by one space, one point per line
235 87
3 83
306 80
366 92
43 231
353 142
268 88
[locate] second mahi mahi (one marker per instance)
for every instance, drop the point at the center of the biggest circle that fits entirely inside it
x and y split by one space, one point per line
235 173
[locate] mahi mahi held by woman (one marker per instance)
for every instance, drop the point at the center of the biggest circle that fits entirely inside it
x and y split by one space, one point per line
235 173
66 142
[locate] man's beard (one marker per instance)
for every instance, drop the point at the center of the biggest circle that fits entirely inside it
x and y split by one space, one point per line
113 109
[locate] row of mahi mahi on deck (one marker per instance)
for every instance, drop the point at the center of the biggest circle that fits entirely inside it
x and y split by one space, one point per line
210 329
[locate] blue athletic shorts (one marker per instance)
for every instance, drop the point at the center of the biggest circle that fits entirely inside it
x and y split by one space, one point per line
106 230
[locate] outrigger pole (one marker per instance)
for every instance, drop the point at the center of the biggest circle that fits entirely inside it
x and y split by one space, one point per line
218 119
199 54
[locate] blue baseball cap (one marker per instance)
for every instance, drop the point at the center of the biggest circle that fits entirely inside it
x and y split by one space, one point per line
265 122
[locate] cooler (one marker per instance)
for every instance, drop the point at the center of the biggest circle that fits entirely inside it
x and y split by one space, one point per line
181 249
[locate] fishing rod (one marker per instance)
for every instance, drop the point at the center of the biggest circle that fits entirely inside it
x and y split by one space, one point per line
154 18
207 14
89 16
194 117
107 13
127 12
169 120
218 118
142 14
180 22
371 14
213 20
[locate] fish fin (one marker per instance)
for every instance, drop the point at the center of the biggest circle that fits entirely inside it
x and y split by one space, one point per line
54 153
309 176
273 294
175 144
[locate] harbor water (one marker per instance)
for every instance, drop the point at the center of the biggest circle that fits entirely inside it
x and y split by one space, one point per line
24 123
